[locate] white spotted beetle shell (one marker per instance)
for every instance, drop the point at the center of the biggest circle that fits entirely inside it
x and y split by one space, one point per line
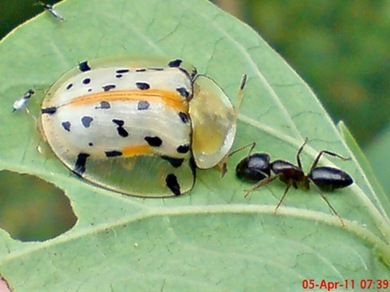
138 128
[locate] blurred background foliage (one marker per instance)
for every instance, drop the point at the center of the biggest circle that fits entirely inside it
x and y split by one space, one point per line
341 49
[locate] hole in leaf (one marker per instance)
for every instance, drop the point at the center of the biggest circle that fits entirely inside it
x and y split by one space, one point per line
32 209
4 287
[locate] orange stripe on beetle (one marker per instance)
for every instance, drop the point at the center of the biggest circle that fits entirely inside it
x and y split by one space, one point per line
136 150
171 99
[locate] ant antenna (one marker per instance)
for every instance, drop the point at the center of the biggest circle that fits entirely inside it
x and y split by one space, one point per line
251 145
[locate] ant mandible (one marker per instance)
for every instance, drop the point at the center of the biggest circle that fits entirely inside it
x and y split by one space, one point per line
257 168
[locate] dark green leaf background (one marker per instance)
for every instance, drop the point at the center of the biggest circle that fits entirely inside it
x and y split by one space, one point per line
212 238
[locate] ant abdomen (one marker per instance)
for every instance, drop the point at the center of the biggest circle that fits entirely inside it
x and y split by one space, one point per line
329 178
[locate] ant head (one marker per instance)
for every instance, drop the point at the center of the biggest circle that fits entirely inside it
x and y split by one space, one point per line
255 167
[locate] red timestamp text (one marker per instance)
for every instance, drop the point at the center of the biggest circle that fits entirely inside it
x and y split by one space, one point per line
328 285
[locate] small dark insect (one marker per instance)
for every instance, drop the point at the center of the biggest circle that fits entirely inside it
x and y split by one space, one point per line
257 168
21 103
50 8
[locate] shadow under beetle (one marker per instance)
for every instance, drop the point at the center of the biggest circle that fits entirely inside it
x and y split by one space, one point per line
257 168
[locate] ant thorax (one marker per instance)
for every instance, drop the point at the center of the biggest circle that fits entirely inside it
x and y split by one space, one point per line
290 174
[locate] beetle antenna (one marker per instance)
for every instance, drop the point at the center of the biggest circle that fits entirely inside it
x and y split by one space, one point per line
240 94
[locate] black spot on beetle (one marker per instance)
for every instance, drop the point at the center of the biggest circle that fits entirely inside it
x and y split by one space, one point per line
103 105
140 70
175 162
84 66
90 144
113 153
183 92
184 117
108 87
122 71
86 121
183 148
120 123
86 80
121 131
153 141
66 126
172 184
143 105
119 76
156 68
79 167
69 86
142 85
175 63
49 110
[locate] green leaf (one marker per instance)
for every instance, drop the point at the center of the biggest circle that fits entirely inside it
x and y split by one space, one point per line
364 163
212 238
377 153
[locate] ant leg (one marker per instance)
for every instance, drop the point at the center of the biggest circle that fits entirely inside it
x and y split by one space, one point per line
314 165
329 205
261 183
284 195
299 153
333 209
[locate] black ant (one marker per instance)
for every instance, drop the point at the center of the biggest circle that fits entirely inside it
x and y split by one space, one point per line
50 8
257 168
